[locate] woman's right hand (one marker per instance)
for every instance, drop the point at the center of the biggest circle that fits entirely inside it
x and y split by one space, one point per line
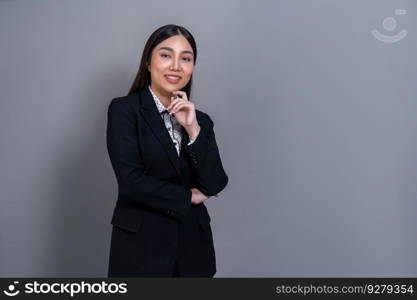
197 196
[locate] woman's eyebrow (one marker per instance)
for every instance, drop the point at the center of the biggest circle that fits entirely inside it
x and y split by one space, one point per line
170 49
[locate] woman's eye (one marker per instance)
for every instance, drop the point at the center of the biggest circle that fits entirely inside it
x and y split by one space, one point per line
167 55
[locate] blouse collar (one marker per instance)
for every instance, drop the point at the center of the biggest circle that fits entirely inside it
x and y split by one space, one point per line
158 102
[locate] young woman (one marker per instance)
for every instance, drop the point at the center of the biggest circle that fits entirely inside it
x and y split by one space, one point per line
166 161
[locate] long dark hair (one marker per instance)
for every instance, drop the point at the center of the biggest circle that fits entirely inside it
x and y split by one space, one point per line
143 77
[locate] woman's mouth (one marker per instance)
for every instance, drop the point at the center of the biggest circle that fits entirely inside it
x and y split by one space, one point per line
172 79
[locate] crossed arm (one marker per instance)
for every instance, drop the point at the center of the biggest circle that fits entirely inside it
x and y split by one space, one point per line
133 181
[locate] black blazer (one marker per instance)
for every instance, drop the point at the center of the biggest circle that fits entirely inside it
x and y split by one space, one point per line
155 225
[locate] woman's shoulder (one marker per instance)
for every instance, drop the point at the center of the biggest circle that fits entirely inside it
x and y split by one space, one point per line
124 102
201 115
122 105
125 99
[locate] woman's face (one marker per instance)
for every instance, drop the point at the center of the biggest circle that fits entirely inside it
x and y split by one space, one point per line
173 56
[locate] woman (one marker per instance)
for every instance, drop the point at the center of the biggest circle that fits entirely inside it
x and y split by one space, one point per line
166 161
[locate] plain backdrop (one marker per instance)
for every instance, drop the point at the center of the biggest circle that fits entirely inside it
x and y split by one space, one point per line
314 117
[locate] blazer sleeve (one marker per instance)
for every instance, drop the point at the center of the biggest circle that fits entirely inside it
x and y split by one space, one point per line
133 181
211 177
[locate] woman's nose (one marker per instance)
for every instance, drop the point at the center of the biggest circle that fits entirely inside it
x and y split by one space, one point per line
175 65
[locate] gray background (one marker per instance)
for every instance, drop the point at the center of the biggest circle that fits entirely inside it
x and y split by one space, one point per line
314 117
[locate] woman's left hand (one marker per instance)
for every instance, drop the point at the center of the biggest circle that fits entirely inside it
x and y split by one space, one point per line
197 196
184 112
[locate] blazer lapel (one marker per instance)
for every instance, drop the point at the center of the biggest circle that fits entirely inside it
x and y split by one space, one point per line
151 115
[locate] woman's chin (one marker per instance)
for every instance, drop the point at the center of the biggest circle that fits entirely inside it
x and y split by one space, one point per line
173 88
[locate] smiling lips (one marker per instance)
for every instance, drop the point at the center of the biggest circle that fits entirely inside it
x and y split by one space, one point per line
172 78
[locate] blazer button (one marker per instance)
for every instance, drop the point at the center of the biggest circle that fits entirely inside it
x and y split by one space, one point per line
168 212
